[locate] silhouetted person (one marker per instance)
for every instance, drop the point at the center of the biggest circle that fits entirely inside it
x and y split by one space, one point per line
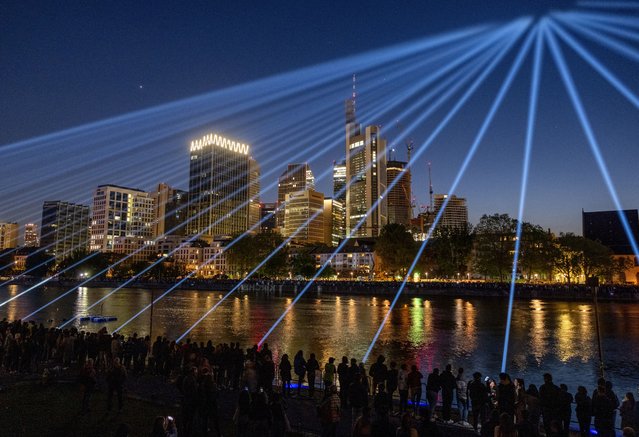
448 385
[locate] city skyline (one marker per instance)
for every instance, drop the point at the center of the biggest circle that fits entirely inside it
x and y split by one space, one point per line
557 192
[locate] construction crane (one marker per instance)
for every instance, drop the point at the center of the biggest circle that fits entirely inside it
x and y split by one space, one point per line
430 188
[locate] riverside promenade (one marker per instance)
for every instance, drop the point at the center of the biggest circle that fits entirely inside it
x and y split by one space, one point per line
461 289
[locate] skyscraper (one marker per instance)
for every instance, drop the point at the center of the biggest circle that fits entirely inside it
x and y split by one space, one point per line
267 217
339 181
338 218
65 228
8 235
170 208
223 187
304 216
399 196
366 173
121 212
296 177
456 213
31 238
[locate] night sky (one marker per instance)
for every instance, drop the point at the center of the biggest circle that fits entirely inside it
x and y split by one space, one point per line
64 64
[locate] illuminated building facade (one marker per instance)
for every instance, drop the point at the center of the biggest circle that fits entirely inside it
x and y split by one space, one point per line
297 177
223 188
606 228
338 221
8 235
209 261
65 228
300 206
339 181
356 259
268 221
31 236
121 213
170 208
366 173
399 196
456 213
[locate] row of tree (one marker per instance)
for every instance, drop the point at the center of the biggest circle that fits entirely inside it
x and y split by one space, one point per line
488 250
485 250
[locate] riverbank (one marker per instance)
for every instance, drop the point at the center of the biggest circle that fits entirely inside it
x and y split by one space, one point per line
383 289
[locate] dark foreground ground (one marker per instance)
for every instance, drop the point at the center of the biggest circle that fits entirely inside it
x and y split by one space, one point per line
28 408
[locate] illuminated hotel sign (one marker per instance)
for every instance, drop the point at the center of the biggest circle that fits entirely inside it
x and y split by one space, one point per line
219 141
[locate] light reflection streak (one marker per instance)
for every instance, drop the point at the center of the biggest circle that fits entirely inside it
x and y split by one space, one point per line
538 332
416 335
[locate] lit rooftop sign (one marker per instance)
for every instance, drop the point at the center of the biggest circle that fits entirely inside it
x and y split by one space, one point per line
219 141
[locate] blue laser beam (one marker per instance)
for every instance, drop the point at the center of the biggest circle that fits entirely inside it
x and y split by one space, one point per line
267 258
608 4
91 255
617 20
602 39
593 24
444 85
473 149
532 112
192 238
522 24
587 128
268 85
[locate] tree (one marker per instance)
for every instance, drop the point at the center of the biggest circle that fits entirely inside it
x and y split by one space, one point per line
580 255
248 252
596 258
396 248
303 264
494 245
618 268
38 264
537 251
450 249
568 262
241 256
85 263
266 243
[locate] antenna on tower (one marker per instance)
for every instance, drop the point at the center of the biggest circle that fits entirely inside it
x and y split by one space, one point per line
354 90
410 145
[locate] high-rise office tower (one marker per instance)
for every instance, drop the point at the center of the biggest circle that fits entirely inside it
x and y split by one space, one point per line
223 188
268 222
456 213
296 177
366 175
399 196
31 237
338 222
8 235
339 181
170 208
121 212
254 196
304 216
65 228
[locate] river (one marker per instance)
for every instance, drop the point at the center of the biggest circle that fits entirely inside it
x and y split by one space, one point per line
547 336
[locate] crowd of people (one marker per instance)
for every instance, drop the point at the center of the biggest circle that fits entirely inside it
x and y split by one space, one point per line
384 399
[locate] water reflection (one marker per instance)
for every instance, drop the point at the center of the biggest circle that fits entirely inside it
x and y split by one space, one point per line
559 337
538 332
416 333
